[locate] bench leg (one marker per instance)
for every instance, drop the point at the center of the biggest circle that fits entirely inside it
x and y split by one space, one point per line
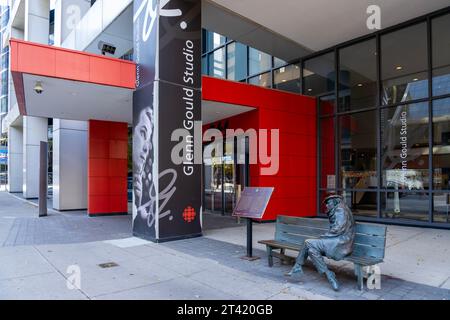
359 276
270 256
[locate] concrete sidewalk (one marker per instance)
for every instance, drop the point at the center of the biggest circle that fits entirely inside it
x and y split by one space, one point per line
416 264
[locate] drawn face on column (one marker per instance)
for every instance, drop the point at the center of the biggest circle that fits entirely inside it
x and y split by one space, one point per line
142 154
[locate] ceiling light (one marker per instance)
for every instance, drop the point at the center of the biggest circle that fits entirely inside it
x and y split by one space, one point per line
398 68
309 90
415 79
360 84
284 80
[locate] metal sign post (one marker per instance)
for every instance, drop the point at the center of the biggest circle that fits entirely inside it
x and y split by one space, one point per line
252 205
43 179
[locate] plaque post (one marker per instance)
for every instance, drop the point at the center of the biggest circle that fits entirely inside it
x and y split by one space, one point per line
43 179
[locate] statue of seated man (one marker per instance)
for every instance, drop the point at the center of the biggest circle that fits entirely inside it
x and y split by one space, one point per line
336 244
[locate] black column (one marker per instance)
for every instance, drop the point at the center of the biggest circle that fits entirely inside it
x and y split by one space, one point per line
167 51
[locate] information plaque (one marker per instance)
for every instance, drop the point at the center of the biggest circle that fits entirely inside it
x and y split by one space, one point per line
253 203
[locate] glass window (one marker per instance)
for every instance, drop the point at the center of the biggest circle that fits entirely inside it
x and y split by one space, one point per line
278 62
405 205
4 86
263 80
216 63
4 104
358 76
358 150
259 61
441 207
204 65
319 75
405 149
362 203
441 55
404 65
327 154
441 149
237 61
287 78
5 60
212 40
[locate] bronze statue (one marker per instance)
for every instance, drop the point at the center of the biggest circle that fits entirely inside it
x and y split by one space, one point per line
336 244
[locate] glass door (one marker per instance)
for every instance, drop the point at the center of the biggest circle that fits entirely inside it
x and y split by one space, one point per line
223 176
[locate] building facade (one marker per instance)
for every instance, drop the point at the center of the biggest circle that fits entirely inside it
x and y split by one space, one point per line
363 113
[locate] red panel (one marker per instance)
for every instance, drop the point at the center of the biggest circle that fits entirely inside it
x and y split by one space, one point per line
98 186
295 117
49 61
98 148
36 60
105 71
98 167
74 66
117 167
118 149
108 167
127 74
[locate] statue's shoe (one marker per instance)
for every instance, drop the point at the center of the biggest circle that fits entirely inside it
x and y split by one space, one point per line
296 270
332 280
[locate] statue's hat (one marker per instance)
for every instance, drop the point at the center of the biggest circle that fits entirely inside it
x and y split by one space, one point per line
333 196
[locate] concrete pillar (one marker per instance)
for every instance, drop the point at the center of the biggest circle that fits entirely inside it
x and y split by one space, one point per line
70 165
35 130
37 26
15 159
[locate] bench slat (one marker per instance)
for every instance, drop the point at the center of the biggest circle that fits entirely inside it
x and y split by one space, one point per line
306 222
367 251
374 241
363 261
281 245
294 239
368 229
298 230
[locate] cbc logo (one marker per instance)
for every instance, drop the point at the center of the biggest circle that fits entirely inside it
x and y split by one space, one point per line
189 214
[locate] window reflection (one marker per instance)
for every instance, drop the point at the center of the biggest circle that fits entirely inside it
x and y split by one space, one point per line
409 206
441 207
358 154
319 75
259 61
404 65
217 64
263 80
212 40
237 61
405 148
441 55
441 148
362 203
327 154
358 76
287 78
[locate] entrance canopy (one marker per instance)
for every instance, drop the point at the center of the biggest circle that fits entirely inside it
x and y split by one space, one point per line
58 83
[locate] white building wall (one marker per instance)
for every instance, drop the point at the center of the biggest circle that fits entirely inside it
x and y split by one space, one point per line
70 138
70 164
15 159
35 130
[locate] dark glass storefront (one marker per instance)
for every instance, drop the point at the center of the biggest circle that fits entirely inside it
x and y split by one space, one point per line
384 115
384 141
